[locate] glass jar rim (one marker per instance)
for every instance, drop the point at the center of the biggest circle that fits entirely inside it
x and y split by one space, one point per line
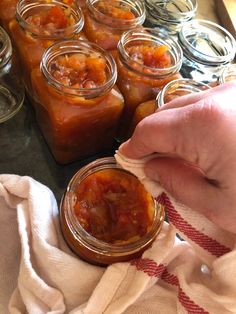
152 36
208 31
93 243
229 70
185 84
116 23
6 47
23 8
162 12
77 46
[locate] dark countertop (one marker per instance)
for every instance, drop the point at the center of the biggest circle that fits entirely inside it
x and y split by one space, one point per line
37 162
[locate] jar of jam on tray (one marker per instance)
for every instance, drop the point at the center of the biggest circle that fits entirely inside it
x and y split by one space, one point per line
106 21
147 60
207 49
106 214
77 105
38 25
15 128
169 15
172 90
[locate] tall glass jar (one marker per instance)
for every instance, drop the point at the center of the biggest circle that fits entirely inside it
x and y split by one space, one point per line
169 15
106 21
77 106
207 49
170 91
38 25
14 119
106 214
147 60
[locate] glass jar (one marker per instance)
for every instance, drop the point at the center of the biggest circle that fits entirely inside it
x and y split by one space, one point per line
169 15
106 21
77 105
207 49
7 12
106 214
147 60
228 74
170 91
14 122
179 88
38 25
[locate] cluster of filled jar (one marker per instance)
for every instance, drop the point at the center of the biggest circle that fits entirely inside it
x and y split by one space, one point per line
93 69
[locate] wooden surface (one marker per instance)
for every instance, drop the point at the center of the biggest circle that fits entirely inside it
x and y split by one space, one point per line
226 10
207 10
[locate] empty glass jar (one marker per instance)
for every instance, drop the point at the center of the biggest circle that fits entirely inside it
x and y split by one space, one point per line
169 15
14 120
207 49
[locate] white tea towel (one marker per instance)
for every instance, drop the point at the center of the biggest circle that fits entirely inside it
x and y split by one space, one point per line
39 274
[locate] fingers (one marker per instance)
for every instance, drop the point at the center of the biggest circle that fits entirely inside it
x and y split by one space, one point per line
174 131
184 182
165 132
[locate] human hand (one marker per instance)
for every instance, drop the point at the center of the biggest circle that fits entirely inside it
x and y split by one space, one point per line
196 138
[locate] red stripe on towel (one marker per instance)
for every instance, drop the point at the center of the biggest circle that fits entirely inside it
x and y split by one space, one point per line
152 269
207 243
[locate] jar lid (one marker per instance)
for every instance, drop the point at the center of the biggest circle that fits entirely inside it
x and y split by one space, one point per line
207 42
9 104
173 10
177 88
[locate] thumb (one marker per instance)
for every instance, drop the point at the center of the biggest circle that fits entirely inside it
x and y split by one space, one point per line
185 182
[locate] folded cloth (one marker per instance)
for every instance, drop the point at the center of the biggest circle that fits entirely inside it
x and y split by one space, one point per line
39 273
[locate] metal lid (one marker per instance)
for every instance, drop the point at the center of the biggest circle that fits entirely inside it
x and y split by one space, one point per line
207 42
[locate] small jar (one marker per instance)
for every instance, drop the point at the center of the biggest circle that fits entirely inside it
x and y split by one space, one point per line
38 25
7 12
106 21
106 214
169 15
170 91
147 60
228 74
77 105
14 118
179 88
207 49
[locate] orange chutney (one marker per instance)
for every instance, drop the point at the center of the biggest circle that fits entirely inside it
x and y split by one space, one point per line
77 105
38 25
113 206
106 214
106 21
